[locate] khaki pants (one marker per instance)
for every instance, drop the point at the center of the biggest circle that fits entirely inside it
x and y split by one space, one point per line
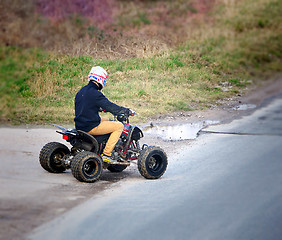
105 127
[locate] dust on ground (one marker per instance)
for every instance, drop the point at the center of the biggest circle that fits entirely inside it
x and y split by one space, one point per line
31 196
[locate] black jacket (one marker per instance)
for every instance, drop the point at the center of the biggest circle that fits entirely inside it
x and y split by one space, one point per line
88 101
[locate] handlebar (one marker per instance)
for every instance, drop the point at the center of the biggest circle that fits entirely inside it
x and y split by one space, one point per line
124 117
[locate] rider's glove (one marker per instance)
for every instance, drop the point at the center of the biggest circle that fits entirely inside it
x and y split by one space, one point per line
131 112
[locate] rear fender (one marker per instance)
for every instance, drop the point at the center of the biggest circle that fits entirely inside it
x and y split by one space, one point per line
84 140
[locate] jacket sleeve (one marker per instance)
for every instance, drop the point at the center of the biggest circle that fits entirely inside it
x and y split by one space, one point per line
108 106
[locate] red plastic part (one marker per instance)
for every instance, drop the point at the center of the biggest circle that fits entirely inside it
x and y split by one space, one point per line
66 137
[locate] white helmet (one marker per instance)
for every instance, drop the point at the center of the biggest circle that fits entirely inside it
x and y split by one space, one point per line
99 75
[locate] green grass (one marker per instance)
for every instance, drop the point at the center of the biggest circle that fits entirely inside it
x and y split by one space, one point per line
46 89
38 86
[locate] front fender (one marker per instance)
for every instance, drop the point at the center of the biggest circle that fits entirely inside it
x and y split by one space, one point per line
136 133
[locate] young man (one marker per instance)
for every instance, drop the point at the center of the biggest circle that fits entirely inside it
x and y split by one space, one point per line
88 101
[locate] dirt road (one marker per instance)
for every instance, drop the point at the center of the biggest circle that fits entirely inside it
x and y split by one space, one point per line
31 196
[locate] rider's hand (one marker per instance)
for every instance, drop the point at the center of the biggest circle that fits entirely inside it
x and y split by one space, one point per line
131 112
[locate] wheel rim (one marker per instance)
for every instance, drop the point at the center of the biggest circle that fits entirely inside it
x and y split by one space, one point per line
155 163
57 159
90 168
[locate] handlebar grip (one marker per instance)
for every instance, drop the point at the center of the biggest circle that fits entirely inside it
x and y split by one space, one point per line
131 112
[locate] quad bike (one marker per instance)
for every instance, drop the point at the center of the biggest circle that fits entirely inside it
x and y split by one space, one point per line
84 158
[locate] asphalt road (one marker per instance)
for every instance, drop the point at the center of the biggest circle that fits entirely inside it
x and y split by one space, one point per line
224 185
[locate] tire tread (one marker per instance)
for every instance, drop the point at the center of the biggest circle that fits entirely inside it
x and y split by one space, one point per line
142 162
76 167
45 154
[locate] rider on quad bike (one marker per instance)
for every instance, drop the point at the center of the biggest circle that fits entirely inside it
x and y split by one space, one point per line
97 143
88 102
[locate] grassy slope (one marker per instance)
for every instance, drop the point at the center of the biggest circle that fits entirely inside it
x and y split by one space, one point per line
217 61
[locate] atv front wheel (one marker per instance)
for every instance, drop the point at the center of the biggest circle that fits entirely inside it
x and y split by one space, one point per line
86 167
152 162
51 156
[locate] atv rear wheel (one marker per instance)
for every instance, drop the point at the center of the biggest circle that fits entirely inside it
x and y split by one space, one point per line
51 156
152 162
116 168
87 167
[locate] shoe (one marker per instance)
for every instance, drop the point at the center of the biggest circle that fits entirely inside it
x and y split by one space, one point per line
108 159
